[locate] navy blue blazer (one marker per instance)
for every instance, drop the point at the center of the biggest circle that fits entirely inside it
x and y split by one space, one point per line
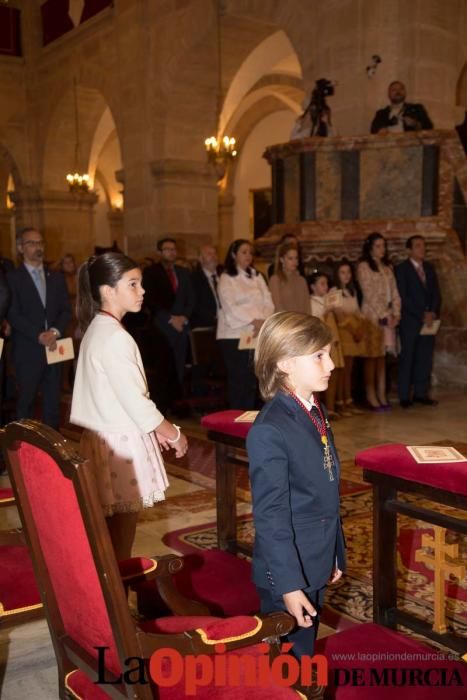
160 298
205 306
417 297
299 536
27 315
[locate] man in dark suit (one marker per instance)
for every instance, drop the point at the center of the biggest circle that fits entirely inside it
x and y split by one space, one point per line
400 115
421 302
169 297
205 279
39 314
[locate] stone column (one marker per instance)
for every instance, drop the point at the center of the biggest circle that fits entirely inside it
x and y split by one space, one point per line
115 217
226 211
66 219
7 243
184 203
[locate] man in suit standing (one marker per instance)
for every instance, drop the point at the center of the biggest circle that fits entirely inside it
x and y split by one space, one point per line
421 302
39 314
205 279
400 115
169 296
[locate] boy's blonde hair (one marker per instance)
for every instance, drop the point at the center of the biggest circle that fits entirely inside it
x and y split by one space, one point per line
284 335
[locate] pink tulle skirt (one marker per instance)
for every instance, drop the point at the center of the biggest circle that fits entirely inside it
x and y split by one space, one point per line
129 469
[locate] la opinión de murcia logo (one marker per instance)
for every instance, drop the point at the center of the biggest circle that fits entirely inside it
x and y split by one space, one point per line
168 667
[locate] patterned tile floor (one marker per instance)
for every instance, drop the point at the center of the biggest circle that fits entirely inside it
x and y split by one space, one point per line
27 664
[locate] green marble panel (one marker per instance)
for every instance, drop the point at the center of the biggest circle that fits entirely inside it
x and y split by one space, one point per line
391 183
292 189
328 185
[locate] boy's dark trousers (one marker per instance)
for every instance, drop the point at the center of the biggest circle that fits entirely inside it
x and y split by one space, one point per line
302 638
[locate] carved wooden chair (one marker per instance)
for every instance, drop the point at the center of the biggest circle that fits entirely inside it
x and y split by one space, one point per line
85 600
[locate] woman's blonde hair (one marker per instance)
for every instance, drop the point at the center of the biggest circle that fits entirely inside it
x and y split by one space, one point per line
282 250
284 335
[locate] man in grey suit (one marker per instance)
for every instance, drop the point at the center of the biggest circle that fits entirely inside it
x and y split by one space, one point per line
39 314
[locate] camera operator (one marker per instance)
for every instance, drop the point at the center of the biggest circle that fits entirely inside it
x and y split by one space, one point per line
400 115
316 119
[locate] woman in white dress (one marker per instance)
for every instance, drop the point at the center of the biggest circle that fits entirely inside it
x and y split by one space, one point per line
245 303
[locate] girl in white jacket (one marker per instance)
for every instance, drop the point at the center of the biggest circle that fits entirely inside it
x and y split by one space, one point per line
123 427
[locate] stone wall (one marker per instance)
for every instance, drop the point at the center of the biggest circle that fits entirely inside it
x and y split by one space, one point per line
153 63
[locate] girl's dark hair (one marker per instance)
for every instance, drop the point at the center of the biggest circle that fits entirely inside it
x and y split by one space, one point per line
230 266
367 247
96 271
312 279
351 287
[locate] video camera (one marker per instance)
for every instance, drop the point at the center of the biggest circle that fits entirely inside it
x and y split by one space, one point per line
318 105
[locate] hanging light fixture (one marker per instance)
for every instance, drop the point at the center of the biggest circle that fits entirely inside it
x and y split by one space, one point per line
78 183
220 150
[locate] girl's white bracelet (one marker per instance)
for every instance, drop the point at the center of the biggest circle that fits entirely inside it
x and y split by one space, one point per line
176 439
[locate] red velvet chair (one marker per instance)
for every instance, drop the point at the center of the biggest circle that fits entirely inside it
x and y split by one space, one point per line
19 596
82 591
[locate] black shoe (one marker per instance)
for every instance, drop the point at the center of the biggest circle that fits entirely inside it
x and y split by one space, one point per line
405 403
425 401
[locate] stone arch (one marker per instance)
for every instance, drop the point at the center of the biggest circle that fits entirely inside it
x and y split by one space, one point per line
10 163
10 178
268 82
275 54
95 119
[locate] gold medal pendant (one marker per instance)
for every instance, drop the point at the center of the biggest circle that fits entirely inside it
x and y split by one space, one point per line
327 456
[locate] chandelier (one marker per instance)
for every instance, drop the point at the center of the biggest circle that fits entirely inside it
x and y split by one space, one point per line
220 150
78 183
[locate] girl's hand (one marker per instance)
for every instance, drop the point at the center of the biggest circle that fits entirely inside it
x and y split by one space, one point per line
336 575
257 323
164 445
181 446
300 608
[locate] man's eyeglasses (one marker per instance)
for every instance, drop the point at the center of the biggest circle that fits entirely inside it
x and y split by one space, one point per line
36 244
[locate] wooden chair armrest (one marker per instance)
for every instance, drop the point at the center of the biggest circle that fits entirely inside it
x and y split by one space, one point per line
161 566
161 576
195 641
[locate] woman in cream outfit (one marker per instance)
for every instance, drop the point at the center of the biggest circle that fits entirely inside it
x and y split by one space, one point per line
381 307
245 303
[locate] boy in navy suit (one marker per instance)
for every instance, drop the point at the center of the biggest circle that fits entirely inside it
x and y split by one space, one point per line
294 472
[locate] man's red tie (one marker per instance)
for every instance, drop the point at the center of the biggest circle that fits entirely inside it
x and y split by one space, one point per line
421 273
172 278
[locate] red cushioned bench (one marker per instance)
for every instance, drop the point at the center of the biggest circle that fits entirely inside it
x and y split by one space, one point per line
7 497
392 470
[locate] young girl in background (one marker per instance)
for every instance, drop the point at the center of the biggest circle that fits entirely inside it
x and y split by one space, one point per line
123 427
319 303
294 471
351 327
